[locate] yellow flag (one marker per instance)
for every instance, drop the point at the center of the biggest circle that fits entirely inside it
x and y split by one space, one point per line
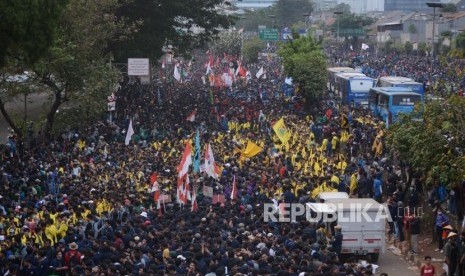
251 150
281 131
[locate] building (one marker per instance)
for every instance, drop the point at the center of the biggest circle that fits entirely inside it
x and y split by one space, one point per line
324 5
356 6
407 5
254 4
375 5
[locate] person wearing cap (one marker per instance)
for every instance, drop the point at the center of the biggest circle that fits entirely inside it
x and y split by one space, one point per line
451 253
73 257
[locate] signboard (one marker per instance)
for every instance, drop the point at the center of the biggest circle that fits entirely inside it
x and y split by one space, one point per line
111 102
268 34
111 106
218 199
207 191
164 198
138 67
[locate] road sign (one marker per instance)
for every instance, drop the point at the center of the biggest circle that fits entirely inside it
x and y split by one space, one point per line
111 106
268 34
138 67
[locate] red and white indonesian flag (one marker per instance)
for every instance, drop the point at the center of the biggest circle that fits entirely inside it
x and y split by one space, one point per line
210 166
194 207
186 161
234 189
191 116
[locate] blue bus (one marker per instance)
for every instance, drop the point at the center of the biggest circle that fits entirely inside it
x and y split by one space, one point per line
354 88
401 82
388 102
332 71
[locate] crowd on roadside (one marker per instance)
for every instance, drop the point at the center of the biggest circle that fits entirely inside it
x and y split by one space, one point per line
83 204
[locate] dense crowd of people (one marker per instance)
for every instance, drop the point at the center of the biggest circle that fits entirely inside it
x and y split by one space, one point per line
83 204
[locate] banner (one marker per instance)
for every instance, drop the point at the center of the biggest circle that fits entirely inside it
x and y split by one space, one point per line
281 131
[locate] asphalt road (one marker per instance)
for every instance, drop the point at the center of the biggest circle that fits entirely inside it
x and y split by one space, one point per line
395 265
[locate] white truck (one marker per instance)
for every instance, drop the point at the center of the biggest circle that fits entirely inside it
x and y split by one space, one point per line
324 196
363 223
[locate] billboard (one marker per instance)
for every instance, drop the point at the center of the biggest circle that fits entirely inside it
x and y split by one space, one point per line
138 67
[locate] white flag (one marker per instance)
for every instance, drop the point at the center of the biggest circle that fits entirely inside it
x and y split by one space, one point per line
129 133
176 74
364 46
260 73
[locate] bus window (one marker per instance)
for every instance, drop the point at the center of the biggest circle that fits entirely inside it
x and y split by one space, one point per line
404 100
383 101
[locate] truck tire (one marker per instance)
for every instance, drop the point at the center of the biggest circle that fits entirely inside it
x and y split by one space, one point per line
374 258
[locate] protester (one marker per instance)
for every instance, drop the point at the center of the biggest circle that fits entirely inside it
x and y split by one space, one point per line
100 200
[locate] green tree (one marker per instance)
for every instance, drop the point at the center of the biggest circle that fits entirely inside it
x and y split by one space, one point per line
304 61
449 7
342 7
422 48
251 48
27 28
227 42
412 29
289 12
75 68
436 145
184 25
460 41
408 47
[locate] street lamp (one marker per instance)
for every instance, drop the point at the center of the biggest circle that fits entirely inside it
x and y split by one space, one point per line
337 13
434 6
433 52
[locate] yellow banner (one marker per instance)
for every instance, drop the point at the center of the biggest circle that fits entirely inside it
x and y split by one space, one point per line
251 150
281 131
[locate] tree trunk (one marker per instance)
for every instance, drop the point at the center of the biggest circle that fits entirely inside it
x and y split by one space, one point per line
51 116
9 120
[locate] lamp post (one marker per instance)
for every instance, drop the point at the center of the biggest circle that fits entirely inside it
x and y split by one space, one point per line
307 21
434 6
337 13
433 52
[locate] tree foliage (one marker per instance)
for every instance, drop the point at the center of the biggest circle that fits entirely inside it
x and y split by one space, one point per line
183 24
449 7
304 61
352 21
342 7
435 145
289 12
251 48
228 42
460 41
27 28
75 68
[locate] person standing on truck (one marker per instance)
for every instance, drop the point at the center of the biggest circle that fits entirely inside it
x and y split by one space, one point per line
336 243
